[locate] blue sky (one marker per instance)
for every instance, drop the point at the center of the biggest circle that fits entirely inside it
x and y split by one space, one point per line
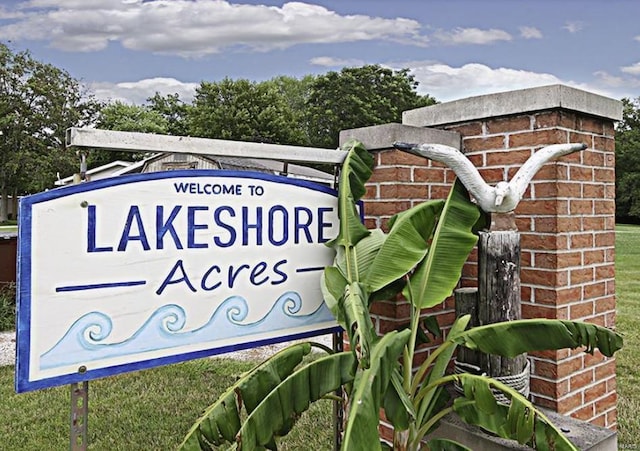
129 49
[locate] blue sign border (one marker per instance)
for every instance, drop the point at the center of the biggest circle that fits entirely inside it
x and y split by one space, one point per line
23 301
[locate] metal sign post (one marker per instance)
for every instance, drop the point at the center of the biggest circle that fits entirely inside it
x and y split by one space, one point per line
79 413
79 416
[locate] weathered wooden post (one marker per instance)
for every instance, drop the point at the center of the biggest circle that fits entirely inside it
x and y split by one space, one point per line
499 295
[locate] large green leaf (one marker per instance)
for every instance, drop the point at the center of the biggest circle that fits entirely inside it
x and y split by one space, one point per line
453 240
397 404
332 284
512 338
519 420
407 243
358 322
356 170
280 408
365 252
333 281
221 421
351 307
428 395
364 409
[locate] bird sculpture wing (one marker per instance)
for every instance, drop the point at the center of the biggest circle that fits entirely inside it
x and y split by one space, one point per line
505 196
523 177
468 174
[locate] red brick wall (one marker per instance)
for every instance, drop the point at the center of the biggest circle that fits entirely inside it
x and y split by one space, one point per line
566 221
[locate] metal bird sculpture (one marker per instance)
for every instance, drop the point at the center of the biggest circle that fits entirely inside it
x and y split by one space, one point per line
505 196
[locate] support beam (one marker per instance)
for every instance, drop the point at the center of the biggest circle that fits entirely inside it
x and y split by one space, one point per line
147 142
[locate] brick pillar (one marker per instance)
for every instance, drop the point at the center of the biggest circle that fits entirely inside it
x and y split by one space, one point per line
566 221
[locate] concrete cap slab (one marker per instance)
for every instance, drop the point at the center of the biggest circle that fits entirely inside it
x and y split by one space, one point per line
515 102
379 137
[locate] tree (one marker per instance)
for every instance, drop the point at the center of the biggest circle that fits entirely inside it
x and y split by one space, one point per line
628 163
359 97
296 93
126 118
242 110
422 256
131 118
38 102
173 110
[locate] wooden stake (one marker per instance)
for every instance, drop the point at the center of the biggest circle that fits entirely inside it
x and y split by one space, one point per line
499 292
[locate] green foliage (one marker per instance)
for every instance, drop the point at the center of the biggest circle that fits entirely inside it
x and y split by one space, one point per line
221 421
7 306
173 110
242 110
38 102
277 411
371 384
519 421
126 118
131 118
296 93
529 335
628 163
358 97
453 239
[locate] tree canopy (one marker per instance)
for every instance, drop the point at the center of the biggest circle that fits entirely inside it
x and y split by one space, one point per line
309 111
628 163
38 102
126 118
244 111
359 97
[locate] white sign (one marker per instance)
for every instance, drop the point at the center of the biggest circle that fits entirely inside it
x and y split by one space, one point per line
143 270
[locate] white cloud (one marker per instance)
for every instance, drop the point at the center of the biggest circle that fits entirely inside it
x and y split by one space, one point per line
634 69
573 26
193 28
472 36
7 14
448 83
623 86
137 92
530 33
328 61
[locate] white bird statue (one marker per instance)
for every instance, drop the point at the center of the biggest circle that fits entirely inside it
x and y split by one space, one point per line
503 197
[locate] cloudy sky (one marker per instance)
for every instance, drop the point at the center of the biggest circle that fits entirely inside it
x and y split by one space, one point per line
130 49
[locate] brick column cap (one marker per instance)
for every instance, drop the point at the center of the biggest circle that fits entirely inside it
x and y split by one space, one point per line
515 102
378 137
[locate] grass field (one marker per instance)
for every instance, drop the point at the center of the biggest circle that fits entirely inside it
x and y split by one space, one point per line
628 323
146 410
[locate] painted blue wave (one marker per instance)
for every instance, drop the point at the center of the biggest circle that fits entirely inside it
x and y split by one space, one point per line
84 341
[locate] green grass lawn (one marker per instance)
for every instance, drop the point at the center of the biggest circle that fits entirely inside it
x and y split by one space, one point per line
146 410
628 323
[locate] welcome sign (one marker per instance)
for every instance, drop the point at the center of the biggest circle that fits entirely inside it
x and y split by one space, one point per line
143 270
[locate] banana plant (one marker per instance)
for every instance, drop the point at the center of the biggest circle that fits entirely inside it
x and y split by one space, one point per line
421 258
